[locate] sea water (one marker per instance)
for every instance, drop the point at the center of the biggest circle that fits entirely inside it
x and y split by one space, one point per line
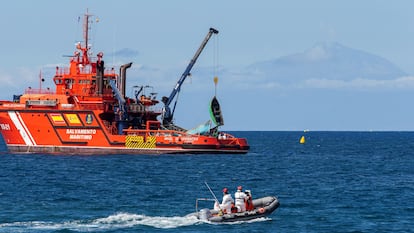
334 182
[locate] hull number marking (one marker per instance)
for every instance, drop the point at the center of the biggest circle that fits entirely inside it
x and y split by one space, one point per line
5 126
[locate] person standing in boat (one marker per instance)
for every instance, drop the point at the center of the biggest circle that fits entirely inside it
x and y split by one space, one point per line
226 202
249 200
240 197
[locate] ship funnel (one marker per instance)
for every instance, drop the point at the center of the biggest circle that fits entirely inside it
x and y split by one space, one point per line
100 67
122 74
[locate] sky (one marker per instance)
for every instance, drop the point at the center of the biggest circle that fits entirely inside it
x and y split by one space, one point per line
160 38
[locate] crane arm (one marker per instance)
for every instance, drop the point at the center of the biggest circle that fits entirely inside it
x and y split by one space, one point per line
186 73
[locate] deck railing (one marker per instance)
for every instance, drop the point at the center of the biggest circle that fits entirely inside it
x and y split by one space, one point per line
83 70
39 91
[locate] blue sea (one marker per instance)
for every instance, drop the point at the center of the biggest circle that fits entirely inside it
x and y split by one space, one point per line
335 182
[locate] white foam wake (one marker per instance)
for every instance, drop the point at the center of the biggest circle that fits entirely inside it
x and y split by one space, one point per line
129 220
116 221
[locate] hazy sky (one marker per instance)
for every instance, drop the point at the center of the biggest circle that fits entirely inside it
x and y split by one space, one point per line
162 36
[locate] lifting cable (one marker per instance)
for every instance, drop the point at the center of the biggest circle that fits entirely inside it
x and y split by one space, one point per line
216 62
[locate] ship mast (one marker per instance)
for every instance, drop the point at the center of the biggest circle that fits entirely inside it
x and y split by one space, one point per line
85 49
85 28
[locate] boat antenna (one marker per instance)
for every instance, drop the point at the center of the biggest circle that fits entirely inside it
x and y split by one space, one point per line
212 193
41 79
86 28
85 50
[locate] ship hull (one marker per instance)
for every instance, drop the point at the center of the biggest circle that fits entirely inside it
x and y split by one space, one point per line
87 150
83 132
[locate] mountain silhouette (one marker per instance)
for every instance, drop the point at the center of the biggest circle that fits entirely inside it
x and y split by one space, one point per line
330 61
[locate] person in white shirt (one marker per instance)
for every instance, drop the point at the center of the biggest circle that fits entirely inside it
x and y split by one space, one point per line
226 202
240 197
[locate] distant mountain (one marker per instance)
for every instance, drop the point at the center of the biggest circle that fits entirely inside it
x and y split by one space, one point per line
331 61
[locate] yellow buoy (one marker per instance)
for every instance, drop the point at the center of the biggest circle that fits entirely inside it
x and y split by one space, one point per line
302 140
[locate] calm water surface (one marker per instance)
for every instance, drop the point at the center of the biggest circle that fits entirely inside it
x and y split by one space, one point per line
335 182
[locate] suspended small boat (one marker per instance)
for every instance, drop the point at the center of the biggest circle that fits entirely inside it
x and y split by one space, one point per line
215 112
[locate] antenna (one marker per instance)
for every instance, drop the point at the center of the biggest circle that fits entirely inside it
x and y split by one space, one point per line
41 79
86 27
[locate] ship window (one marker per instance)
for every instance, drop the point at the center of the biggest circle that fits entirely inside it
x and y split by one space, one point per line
69 83
83 81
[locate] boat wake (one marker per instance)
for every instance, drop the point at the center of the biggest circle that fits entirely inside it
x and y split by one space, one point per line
112 222
116 221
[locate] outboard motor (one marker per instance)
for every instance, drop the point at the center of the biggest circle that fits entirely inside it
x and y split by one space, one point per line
204 214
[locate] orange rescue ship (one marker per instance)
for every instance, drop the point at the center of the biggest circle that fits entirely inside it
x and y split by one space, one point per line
89 113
